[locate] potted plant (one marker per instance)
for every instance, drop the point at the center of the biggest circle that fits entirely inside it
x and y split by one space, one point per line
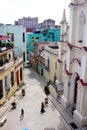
47 92
14 104
23 92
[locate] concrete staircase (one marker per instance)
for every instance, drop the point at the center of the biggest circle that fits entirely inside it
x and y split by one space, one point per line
58 89
70 109
60 93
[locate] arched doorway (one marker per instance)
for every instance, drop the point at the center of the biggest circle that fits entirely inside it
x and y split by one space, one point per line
75 90
17 77
42 72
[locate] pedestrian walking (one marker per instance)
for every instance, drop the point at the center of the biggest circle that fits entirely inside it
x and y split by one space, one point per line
22 114
42 108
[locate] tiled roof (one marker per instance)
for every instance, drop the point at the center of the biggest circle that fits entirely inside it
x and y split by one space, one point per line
30 30
2 37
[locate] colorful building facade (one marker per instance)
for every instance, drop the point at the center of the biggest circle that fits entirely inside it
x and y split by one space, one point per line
51 61
8 69
48 35
18 34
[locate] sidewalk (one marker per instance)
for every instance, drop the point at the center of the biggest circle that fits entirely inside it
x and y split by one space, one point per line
64 114
7 104
69 119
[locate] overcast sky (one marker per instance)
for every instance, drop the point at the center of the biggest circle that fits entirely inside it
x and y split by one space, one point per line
11 10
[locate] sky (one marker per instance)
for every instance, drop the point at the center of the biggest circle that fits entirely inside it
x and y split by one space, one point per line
11 10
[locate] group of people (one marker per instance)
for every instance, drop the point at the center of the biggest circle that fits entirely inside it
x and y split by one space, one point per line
22 111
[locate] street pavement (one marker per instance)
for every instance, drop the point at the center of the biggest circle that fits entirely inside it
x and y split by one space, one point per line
31 103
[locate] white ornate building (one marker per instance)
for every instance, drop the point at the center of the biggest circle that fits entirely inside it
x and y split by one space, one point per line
73 60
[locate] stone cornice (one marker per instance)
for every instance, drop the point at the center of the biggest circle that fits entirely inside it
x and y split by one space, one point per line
59 61
84 48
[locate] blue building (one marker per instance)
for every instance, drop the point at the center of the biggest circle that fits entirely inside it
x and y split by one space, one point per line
47 35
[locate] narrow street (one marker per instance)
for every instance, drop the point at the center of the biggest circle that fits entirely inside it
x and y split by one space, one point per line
31 103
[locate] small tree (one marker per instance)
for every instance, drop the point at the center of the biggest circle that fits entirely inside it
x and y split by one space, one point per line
46 89
13 104
23 92
47 92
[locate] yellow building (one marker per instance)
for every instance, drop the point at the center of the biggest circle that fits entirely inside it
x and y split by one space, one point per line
7 74
8 69
51 67
51 61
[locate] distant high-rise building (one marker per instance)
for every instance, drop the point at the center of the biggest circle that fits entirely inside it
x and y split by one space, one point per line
28 22
49 23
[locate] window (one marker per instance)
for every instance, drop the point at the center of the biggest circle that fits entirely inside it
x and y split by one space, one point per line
1 89
48 63
7 84
24 56
3 59
23 36
20 73
12 37
9 56
12 78
65 65
82 21
56 65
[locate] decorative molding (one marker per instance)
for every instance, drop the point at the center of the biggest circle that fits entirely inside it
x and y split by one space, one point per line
77 5
68 73
83 83
59 61
73 46
76 59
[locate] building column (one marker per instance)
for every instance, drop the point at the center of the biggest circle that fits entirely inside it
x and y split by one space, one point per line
72 32
63 38
65 97
80 114
61 44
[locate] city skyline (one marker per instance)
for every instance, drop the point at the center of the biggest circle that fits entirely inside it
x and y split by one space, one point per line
12 10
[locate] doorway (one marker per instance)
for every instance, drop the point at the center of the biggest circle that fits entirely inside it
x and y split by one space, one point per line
75 90
17 77
42 72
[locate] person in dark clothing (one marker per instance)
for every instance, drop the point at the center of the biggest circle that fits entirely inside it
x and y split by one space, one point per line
22 114
42 108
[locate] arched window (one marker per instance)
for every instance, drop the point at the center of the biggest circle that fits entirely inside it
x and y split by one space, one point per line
82 21
48 63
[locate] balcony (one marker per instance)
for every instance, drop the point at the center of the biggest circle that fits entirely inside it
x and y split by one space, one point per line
7 45
6 65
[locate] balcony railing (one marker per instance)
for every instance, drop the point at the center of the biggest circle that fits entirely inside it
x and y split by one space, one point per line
7 45
7 65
